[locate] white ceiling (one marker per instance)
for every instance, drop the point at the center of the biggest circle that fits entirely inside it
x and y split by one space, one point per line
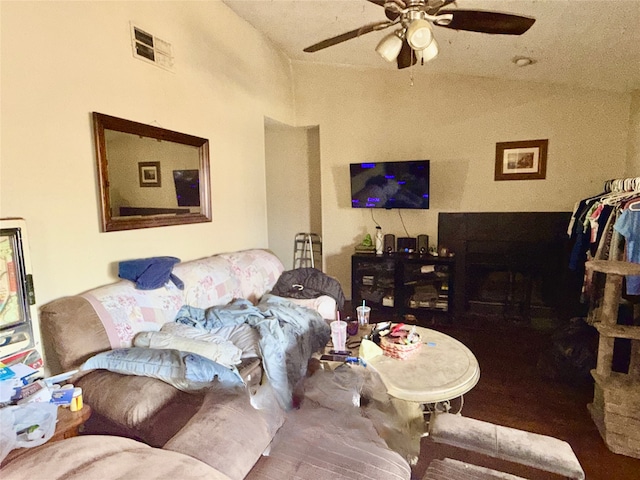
592 43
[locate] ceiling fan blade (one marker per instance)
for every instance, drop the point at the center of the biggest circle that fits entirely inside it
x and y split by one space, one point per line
406 57
487 22
329 42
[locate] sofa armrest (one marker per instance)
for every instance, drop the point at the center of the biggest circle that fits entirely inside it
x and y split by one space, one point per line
72 331
324 305
105 457
510 444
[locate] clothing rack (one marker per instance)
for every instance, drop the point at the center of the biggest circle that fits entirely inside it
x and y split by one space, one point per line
594 229
629 188
631 184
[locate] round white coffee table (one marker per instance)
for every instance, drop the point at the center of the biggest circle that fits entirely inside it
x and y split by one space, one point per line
443 369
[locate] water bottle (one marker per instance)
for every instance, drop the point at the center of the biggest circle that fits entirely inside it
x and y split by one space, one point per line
379 240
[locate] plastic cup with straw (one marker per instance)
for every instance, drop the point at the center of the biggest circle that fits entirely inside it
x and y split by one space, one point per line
363 313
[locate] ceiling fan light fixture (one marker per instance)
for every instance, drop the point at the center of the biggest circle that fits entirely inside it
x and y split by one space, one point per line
419 34
389 47
428 53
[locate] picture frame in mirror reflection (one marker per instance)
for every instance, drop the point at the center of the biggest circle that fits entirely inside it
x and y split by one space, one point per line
521 160
149 174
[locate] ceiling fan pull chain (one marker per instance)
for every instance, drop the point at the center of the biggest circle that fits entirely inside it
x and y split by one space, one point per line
412 69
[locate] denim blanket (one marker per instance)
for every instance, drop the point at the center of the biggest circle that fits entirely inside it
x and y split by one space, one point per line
289 335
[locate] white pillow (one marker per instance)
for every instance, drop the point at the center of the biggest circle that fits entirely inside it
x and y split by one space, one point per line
242 336
217 349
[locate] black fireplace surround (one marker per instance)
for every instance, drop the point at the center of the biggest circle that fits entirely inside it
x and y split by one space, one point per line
510 263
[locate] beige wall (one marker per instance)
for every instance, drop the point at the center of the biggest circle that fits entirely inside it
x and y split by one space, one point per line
455 122
293 183
63 60
633 147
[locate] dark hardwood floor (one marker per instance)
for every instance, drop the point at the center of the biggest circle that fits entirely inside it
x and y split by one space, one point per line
513 392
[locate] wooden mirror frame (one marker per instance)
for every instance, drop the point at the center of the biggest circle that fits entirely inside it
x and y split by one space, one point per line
102 122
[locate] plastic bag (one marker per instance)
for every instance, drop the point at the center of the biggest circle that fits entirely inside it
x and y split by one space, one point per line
7 433
26 426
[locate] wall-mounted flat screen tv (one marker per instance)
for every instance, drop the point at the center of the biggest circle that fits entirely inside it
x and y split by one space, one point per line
187 184
401 184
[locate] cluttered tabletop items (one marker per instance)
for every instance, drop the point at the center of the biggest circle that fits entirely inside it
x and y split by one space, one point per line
29 406
416 364
355 340
366 340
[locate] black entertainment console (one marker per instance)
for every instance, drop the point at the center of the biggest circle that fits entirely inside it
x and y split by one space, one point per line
399 284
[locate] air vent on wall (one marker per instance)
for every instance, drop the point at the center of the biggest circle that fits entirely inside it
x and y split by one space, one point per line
151 49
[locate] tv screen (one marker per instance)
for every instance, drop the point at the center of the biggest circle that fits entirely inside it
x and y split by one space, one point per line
402 184
187 184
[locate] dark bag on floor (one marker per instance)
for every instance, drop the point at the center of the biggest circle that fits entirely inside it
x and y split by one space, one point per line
572 355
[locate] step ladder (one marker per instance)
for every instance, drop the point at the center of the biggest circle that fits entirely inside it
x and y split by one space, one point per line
307 251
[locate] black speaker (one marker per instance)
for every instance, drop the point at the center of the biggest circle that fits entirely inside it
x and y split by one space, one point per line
406 244
423 244
389 243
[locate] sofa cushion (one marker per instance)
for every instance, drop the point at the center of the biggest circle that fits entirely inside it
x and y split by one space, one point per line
208 281
117 397
318 443
257 271
234 432
185 371
105 457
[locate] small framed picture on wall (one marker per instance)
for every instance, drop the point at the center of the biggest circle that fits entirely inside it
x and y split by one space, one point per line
149 173
523 160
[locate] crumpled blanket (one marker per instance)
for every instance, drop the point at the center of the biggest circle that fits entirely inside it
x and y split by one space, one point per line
308 283
234 313
289 335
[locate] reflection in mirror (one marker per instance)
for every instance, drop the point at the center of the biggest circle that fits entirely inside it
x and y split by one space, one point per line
150 176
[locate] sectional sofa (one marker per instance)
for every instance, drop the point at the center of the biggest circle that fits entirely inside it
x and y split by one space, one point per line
241 430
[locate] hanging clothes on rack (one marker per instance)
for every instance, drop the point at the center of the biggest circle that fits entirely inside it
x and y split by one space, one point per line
598 229
628 225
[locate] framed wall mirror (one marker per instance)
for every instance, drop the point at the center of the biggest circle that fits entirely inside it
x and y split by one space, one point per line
150 176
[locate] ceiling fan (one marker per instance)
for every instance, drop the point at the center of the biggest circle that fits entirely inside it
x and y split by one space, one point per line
413 39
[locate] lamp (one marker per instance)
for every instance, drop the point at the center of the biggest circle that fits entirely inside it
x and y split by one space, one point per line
419 34
428 53
390 45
